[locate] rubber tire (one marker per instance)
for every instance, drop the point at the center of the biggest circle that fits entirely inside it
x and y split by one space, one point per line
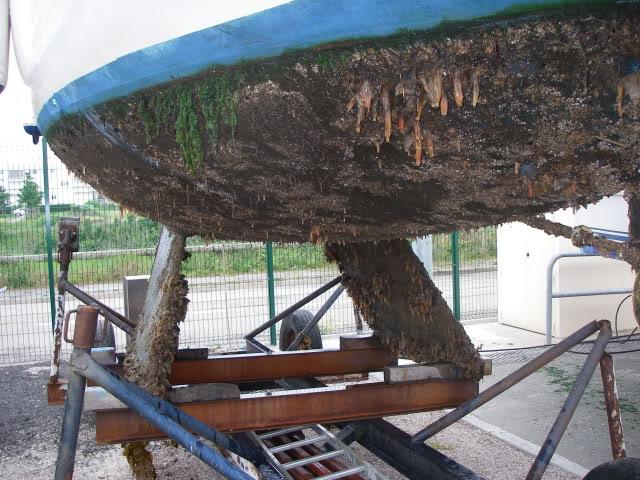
104 338
622 469
293 324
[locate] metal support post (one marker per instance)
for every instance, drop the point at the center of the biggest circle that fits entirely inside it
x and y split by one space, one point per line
293 308
506 383
130 396
316 318
192 424
455 272
271 291
550 445
83 338
48 243
614 418
119 320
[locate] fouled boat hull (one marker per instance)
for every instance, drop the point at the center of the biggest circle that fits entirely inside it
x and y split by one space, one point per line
354 123
417 133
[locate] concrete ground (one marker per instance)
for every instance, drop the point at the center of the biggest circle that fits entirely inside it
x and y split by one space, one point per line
529 408
29 430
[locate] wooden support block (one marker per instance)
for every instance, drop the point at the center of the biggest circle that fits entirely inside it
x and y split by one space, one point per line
56 392
203 392
97 399
417 372
359 341
422 371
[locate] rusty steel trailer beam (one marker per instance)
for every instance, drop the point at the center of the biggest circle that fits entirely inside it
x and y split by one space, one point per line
264 367
612 403
392 445
264 411
57 391
273 366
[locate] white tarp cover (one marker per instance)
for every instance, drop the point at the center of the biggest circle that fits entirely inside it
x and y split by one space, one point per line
59 41
4 42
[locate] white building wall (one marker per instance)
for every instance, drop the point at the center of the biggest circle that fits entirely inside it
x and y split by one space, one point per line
64 186
524 254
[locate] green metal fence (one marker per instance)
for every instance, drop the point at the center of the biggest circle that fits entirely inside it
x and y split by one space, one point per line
234 286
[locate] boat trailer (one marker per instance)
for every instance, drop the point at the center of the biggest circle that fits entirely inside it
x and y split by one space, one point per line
264 410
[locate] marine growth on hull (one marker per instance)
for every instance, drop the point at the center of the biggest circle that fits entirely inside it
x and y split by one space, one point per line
356 144
418 133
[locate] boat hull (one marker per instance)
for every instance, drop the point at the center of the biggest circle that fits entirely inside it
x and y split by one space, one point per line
344 143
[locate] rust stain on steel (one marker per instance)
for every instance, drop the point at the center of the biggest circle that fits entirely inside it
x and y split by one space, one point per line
298 473
258 366
613 406
56 392
84 333
245 368
317 469
260 412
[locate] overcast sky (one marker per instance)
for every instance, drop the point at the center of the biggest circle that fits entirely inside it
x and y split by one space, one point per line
15 101
15 111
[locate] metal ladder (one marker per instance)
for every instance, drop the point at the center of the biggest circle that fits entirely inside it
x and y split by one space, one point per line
326 446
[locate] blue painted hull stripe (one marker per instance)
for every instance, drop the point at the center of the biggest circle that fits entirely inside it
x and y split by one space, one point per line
298 24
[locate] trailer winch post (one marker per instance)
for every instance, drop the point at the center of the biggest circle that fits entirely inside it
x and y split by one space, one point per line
130 396
84 334
164 416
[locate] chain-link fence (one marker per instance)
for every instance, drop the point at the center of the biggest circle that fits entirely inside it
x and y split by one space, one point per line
227 280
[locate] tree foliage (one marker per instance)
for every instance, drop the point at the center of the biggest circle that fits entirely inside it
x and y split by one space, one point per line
29 195
5 198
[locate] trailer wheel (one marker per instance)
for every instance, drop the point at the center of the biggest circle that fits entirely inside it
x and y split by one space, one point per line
293 324
105 335
622 469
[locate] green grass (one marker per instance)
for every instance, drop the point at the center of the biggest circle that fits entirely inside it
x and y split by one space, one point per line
28 274
103 227
476 246
564 380
561 378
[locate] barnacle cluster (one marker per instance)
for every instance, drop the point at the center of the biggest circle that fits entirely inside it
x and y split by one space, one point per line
400 106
